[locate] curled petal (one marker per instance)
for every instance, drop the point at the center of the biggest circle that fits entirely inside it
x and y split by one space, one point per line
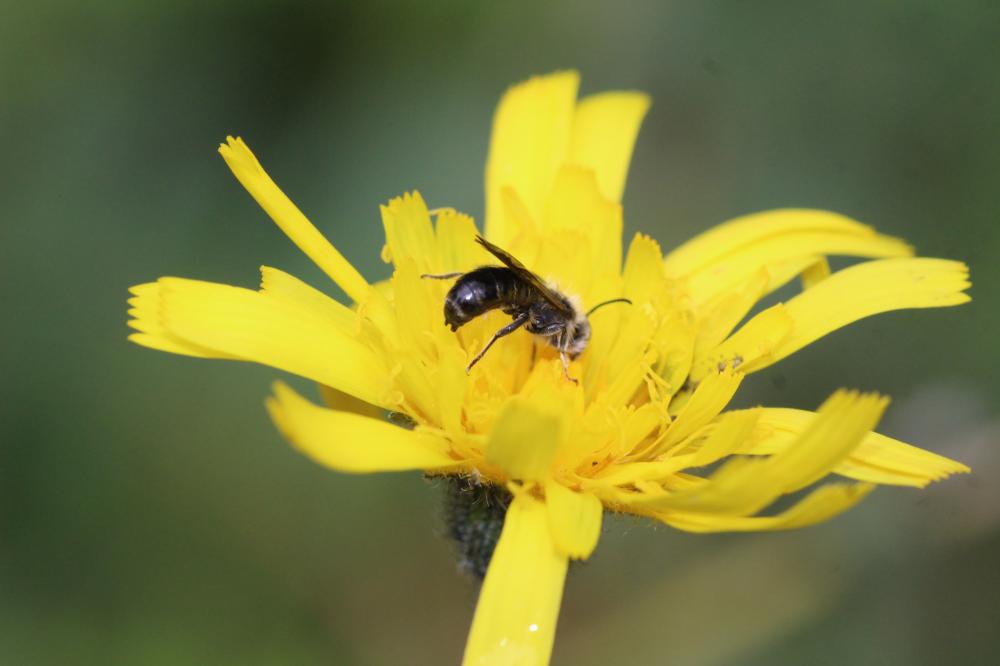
786 242
878 459
820 505
743 487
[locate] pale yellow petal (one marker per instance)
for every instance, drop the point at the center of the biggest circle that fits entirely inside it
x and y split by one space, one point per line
518 607
267 329
574 520
605 127
864 290
524 440
290 219
349 442
531 135
786 242
408 232
822 504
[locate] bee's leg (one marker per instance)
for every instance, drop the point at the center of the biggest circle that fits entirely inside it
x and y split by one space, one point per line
564 357
442 276
518 322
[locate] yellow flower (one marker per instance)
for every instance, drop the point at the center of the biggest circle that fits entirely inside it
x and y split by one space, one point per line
641 431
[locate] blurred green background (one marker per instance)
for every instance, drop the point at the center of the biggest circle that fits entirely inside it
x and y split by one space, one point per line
150 514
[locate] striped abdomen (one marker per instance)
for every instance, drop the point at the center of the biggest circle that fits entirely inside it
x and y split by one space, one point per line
486 289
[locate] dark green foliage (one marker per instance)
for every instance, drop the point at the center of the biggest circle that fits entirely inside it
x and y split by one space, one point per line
473 514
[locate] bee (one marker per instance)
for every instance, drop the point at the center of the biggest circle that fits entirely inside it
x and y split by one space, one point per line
518 292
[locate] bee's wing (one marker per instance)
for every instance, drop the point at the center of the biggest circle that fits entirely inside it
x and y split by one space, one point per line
513 264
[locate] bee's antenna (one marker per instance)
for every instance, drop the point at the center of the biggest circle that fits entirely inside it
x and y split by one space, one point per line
613 300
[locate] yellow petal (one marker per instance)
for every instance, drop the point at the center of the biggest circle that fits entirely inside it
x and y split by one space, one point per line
524 440
721 315
605 127
743 487
418 308
878 459
624 474
408 232
626 362
290 219
712 395
754 345
674 342
354 443
452 384
268 329
531 136
515 620
643 272
729 433
576 204
844 421
787 241
145 308
342 402
815 274
455 234
278 283
864 290
574 520
821 504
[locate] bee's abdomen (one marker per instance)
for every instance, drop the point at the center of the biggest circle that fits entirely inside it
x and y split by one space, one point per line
480 291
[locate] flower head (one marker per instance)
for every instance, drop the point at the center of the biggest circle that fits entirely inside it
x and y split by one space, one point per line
644 429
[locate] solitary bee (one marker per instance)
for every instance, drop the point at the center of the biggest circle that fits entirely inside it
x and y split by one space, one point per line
518 292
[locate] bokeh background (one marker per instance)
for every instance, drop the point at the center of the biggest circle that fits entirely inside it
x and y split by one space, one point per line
150 514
